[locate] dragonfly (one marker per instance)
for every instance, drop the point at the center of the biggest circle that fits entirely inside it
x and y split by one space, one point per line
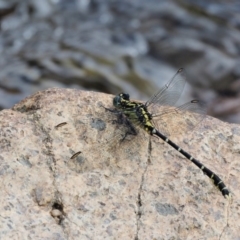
134 114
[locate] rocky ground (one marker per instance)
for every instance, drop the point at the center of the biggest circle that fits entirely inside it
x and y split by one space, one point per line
112 46
65 175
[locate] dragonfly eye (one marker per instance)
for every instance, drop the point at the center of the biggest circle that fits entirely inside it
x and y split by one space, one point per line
119 99
125 96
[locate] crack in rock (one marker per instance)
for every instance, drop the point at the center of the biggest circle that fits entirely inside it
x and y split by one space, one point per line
227 223
139 199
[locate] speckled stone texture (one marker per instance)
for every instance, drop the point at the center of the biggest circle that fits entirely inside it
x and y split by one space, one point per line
137 189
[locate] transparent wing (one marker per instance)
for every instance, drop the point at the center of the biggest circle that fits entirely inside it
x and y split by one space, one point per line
171 92
178 120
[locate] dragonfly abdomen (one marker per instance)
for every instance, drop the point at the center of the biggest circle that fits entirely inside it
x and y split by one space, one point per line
216 179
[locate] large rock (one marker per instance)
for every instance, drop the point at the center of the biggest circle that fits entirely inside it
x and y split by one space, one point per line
136 189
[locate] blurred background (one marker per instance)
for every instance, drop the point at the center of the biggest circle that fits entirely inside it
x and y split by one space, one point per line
134 46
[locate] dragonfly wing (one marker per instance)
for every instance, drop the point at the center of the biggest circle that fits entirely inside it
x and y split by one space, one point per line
171 92
179 120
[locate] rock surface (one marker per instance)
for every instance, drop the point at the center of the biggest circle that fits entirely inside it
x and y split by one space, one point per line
65 176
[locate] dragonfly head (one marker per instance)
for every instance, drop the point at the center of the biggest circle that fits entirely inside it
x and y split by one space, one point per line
120 100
